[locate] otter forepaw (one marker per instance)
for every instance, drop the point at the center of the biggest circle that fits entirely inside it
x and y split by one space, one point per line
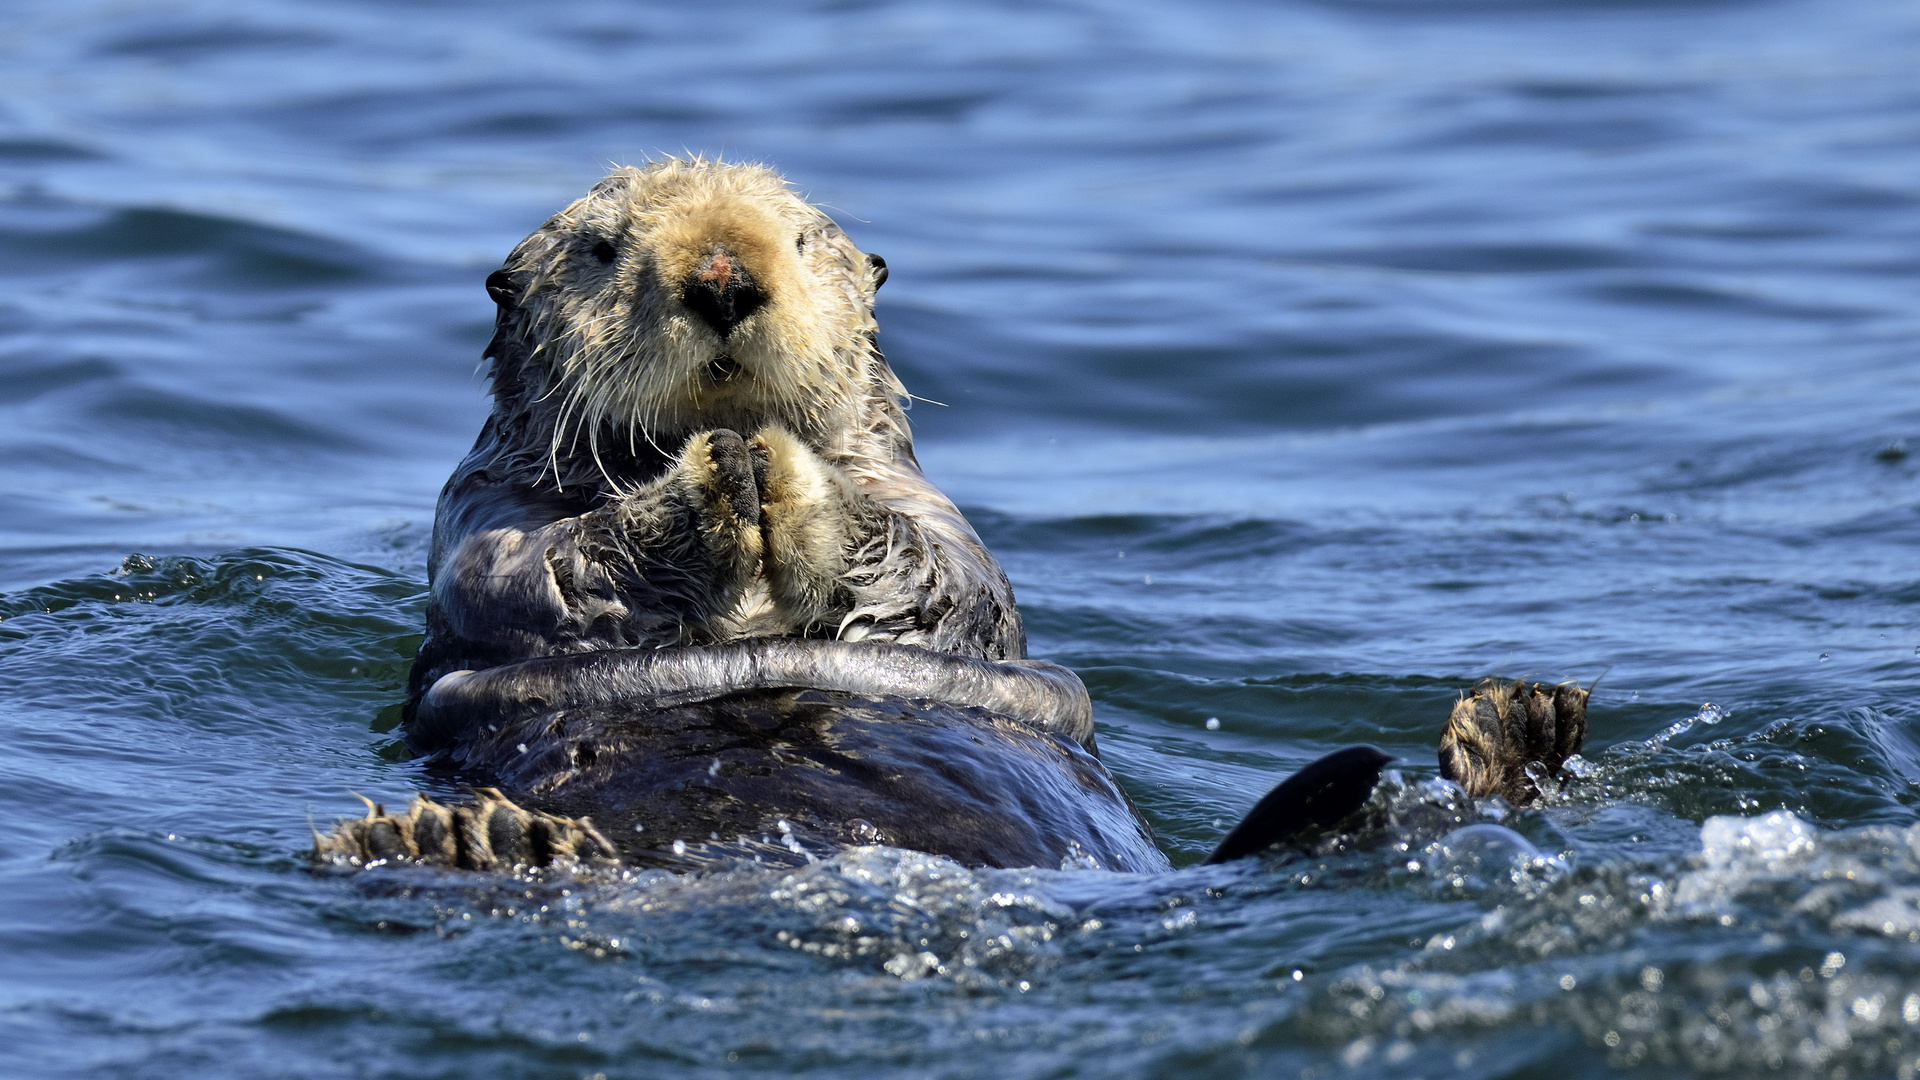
806 522
720 479
1504 737
492 834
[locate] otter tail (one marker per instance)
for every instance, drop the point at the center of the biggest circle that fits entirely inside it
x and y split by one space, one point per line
1317 796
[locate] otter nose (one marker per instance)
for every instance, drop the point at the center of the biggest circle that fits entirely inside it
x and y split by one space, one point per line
722 292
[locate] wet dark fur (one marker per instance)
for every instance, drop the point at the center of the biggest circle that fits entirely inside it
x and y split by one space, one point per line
772 773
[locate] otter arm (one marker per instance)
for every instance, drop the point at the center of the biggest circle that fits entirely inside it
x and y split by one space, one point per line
565 586
864 554
867 553
669 565
652 567
919 574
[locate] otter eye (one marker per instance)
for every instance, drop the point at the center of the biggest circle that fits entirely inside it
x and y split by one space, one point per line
604 251
879 270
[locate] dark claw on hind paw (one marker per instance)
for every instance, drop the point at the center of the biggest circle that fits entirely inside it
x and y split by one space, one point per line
1500 733
491 834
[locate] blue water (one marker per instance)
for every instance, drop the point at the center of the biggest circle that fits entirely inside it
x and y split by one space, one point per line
1302 362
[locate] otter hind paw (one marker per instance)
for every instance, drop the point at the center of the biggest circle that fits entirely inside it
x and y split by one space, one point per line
491 834
1501 736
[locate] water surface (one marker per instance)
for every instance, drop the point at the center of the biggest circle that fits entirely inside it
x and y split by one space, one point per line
1302 362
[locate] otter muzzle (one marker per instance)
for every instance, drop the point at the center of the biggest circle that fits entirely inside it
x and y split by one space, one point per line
722 293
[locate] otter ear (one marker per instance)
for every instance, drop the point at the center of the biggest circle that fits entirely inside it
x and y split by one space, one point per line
879 270
500 286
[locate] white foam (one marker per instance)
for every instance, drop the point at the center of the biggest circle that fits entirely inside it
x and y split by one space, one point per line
1771 842
1734 851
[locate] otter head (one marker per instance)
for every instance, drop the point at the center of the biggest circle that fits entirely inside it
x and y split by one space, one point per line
684 296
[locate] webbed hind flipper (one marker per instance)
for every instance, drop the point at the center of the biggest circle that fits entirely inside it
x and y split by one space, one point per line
491 834
1322 793
1502 735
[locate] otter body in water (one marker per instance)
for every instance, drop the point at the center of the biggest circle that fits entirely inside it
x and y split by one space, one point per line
691 596
691 581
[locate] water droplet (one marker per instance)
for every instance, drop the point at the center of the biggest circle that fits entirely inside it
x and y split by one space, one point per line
522 747
1825 656
1213 723
637 827
679 847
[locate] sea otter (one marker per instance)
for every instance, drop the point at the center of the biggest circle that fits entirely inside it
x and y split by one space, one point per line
691 596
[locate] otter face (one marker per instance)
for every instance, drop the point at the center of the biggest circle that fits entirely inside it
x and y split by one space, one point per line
690 295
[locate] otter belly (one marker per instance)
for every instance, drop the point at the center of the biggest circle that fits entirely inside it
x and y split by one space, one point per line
765 748
792 769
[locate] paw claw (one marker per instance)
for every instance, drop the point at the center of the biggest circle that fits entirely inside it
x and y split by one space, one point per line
493 833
